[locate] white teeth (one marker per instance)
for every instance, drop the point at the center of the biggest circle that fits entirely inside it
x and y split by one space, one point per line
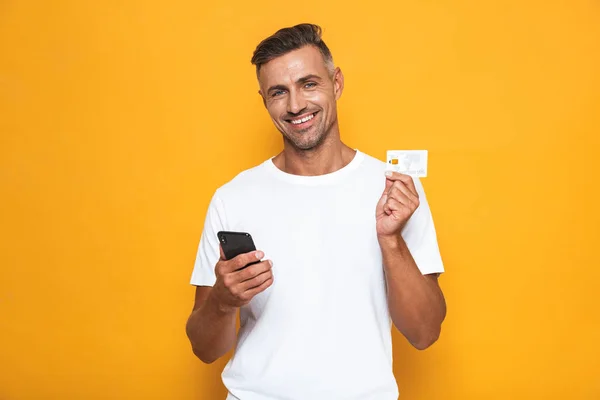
299 121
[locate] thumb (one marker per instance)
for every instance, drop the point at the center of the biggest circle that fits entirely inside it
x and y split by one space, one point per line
380 203
383 199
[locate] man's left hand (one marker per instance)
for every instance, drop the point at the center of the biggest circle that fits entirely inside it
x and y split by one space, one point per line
396 205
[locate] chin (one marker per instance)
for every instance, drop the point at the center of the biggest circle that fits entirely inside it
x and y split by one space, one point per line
305 146
308 145
304 140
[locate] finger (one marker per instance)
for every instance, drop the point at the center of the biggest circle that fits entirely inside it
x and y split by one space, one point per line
399 191
388 184
396 206
242 260
406 179
221 251
381 202
383 198
252 271
256 281
253 292
402 197
386 209
411 185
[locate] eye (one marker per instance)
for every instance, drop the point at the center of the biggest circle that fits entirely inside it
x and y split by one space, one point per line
277 93
310 85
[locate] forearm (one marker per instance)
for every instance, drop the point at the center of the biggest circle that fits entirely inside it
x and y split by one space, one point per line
211 330
416 303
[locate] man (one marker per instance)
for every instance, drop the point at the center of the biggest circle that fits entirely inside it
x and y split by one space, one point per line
345 250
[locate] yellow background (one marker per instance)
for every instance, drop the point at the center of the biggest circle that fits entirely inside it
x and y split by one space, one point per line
119 119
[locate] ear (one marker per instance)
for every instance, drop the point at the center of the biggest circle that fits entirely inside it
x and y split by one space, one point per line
338 83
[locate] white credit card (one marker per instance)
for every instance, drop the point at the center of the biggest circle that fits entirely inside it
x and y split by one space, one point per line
408 162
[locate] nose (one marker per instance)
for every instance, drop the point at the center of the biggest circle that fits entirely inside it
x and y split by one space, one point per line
296 102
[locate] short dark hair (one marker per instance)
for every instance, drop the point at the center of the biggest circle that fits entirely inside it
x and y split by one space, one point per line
288 39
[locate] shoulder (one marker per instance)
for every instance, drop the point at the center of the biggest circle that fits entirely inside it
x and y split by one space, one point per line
244 182
372 164
371 168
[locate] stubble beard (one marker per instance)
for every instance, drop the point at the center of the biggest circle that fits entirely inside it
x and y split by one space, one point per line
297 142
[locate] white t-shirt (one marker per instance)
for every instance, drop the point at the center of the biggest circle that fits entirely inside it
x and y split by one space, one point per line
322 331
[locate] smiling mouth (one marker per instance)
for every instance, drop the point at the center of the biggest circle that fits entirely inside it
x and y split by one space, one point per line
302 120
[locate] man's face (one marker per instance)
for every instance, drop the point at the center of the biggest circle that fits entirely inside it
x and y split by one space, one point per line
300 94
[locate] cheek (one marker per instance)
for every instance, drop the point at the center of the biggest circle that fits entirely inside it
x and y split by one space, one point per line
315 97
275 110
321 98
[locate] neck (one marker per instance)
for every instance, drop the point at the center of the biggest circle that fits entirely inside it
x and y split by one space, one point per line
328 157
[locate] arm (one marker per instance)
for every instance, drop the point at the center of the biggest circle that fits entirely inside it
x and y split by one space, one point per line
211 325
416 302
210 328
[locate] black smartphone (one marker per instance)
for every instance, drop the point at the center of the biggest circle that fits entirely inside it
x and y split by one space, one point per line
235 243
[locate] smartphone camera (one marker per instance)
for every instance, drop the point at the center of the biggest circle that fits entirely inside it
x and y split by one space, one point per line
223 240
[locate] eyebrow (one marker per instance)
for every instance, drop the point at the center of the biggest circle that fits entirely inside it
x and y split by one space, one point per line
300 81
308 78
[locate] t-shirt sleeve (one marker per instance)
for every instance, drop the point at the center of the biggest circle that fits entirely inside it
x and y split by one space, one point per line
208 250
420 236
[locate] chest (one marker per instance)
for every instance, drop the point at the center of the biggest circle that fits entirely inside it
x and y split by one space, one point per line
321 242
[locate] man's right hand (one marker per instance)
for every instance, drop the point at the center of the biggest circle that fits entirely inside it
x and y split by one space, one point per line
235 287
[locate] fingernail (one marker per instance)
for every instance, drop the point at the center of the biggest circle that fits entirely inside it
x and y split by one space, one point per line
388 173
259 254
270 263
